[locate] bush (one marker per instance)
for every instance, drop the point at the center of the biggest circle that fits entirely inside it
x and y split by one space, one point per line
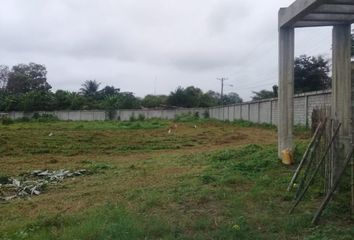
186 117
132 118
6 120
206 114
24 119
44 117
141 117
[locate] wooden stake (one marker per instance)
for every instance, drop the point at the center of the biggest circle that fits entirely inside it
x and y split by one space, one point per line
309 165
316 171
302 162
352 183
333 189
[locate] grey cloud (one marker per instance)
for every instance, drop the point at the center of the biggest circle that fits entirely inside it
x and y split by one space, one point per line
130 43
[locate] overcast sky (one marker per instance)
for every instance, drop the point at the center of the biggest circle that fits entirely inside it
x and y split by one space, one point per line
148 46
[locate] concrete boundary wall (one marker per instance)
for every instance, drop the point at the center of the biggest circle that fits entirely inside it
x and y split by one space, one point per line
126 115
266 111
92 115
100 115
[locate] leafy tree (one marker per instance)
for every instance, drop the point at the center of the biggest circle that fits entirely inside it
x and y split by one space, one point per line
63 100
210 99
127 100
232 98
25 78
193 96
311 74
275 90
4 76
265 94
37 101
111 104
8 102
78 102
188 97
109 91
90 88
154 101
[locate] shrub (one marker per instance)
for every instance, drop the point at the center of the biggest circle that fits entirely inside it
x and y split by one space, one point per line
44 117
206 114
6 120
132 118
141 117
186 117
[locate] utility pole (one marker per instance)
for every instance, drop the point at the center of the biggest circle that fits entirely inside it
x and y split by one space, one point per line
222 80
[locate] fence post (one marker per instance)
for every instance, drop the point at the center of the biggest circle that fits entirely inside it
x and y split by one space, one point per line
307 110
259 112
234 116
271 111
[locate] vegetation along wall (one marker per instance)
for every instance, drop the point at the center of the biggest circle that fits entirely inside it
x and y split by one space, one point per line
265 111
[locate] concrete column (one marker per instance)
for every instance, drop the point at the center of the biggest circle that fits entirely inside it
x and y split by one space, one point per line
234 116
286 89
271 112
259 112
341 84
306 110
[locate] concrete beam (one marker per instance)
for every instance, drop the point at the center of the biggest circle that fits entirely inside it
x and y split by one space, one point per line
335 9
343 2
296 11
329 17
341 84
286 89
302 24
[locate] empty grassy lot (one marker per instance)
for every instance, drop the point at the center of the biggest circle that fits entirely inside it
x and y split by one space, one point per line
215 181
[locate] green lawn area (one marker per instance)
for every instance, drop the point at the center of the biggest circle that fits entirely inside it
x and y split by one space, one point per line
204 180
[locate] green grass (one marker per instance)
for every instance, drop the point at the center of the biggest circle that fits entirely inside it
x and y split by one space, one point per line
87 126
109 222
225 192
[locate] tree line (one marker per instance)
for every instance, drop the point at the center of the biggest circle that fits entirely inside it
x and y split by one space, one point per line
24 87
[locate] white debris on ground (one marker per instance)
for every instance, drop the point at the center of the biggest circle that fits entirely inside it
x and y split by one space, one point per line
33 183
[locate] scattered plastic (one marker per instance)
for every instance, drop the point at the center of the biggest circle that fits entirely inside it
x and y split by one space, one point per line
33 183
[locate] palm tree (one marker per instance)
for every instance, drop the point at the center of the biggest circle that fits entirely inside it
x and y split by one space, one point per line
90 88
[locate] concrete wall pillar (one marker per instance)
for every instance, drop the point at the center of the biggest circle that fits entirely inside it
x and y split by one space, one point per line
286 89
341 84
307 111
271 112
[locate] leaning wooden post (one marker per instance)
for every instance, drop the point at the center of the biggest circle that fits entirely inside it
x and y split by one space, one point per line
316 170
302 162
333 189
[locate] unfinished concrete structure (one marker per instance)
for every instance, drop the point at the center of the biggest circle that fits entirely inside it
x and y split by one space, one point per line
316 13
